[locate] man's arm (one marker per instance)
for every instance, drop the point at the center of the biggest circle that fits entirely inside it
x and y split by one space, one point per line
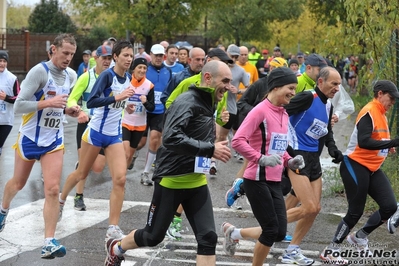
177 118
301 102
35 80
78 90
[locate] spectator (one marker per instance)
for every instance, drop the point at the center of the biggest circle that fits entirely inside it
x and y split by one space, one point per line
84 66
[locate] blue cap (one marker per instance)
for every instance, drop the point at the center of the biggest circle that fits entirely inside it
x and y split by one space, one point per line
104 50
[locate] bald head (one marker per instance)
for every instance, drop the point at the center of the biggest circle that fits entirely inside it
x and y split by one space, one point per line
328 81
243 58
196 59
217 75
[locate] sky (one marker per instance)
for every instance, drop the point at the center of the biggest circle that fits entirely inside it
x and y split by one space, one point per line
27 2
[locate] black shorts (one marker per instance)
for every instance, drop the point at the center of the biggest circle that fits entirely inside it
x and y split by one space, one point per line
154 122
232 123
79 132
312 164
133 137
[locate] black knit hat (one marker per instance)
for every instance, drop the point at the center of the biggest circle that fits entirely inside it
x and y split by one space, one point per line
279 77
139 61
4 55
293 61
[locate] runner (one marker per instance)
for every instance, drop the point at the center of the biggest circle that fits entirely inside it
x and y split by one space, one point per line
108 98
42 101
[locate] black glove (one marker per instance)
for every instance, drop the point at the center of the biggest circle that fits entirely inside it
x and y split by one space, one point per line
336 154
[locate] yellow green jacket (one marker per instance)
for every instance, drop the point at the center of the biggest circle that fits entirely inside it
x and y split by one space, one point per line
196 80
305 83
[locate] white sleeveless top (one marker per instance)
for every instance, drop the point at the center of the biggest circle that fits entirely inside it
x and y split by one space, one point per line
45 126
107 119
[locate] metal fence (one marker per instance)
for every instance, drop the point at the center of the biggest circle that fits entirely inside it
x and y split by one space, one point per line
25 50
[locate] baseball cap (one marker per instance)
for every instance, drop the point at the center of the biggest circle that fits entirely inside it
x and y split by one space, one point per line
278 62
4 55
265 51
233 49
112 39
300 54
315 60
220 54
87 52
276 48
157 49
386 86
141 46
104 50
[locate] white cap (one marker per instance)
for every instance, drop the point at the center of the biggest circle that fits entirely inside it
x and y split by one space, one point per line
157 49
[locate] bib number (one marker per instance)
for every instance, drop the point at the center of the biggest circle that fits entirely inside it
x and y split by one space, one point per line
202 165
138 108
3 107
119 104
51 118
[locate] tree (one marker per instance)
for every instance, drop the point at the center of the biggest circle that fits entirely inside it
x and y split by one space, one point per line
47 17
17 16
248 20
328 12
374 23
145 19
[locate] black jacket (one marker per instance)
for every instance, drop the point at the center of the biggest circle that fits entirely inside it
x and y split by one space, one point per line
251 97
189 131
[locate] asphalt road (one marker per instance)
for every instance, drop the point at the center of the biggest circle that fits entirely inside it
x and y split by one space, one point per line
83 232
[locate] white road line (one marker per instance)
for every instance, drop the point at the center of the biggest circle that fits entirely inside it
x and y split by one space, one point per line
25 225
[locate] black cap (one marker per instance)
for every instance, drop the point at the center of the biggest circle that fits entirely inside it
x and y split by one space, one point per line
315 60
276 48
87 52
279 77
386 86
139 61
4 55
221 55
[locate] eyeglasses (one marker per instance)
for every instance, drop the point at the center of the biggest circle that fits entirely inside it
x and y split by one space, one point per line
158 55
234 56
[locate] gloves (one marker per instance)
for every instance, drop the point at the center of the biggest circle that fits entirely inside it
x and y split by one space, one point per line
296 163
336 154
271 160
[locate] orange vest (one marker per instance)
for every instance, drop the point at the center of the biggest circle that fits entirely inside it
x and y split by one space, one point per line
372 159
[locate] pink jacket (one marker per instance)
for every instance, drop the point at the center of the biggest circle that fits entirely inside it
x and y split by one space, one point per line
263 131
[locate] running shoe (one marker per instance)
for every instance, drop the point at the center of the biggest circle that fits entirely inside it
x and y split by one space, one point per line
240 158
327 256
287 239
114 232
79 203
234 192
296 257
61 210
112 259
393 222
131 165
229 244
76 165
145 179
53 250
213 170
3 217
174 229
361 244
